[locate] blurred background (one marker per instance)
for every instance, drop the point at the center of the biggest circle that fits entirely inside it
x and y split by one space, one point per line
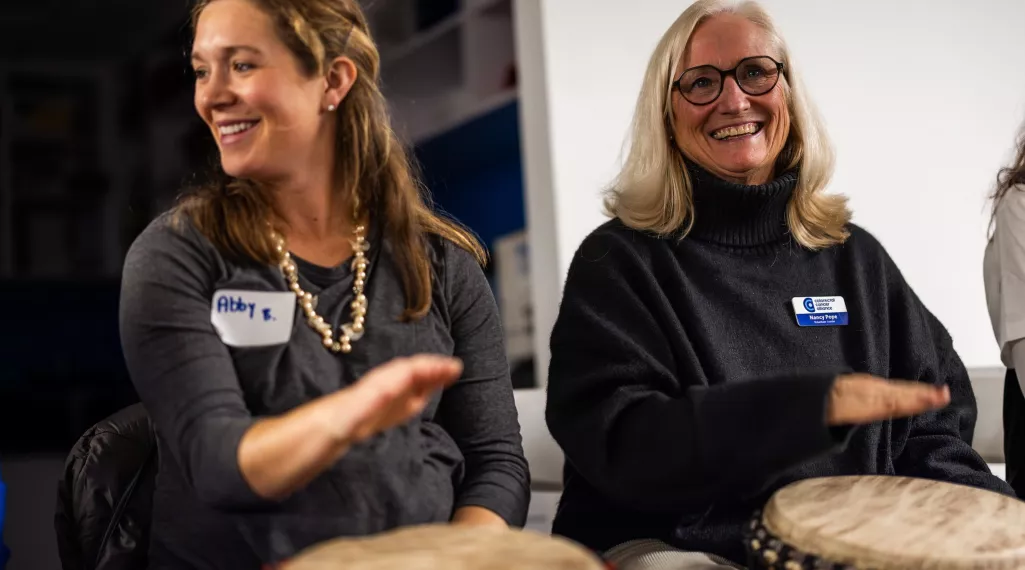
517 111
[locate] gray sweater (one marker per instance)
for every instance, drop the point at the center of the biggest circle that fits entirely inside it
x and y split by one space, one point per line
212 344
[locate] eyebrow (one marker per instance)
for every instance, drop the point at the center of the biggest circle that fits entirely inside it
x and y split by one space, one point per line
229 51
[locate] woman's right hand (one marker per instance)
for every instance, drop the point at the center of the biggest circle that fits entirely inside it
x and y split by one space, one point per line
392 394
863 399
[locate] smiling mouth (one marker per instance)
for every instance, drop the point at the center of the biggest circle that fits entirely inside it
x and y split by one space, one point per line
736 131
236 128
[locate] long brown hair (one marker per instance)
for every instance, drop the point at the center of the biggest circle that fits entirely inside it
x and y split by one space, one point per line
1009 177
372 164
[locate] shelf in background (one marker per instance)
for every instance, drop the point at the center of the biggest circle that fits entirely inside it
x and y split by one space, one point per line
398 52
390 56
465 114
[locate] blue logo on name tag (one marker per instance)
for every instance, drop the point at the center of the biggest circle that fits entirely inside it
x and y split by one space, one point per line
820 311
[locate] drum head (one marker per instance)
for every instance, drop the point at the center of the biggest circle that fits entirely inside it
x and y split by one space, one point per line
895 523
447 547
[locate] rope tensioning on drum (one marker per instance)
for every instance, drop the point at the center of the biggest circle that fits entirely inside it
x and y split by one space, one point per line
767 551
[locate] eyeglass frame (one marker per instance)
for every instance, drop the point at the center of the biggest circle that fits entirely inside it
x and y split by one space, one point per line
781 68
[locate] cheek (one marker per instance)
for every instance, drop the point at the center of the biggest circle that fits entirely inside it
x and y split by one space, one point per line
688 123
781 116
260 98
690 119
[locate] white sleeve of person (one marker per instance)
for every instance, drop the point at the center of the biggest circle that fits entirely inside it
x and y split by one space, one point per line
1010 251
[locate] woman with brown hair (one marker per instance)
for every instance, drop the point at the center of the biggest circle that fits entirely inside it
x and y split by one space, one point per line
275 322
730 330
1004 274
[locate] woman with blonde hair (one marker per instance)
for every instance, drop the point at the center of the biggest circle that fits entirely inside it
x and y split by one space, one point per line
730 330
275 324
1004 275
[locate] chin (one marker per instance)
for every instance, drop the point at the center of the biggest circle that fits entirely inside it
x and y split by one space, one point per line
238 168
744 163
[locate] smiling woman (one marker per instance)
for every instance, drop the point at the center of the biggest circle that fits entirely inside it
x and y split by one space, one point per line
275 322
749 330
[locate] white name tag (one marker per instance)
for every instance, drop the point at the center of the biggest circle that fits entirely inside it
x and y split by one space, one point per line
820 311
253 318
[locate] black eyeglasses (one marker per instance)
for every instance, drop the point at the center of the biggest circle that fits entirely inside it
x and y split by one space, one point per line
754 75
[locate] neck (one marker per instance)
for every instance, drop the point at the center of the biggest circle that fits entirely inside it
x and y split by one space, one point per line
740 215
311 212
309 206
756 178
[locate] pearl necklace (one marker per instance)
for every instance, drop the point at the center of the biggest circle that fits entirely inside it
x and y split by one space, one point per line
350 332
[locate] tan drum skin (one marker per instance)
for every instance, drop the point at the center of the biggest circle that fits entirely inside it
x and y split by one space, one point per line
447 547
899 523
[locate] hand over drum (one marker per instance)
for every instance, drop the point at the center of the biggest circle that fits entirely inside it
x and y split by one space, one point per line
863 399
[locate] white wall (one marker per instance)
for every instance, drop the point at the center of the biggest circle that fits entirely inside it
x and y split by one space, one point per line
923 99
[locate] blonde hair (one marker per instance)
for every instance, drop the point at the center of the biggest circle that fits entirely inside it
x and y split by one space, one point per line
653 189
372 164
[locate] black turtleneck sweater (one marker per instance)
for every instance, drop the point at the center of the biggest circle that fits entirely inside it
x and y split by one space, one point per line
683 392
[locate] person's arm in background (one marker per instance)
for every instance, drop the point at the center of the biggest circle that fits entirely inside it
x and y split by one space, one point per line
185 377
479 411
1009 232
648 438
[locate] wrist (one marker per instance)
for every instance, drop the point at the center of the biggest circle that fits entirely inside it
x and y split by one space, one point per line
478 516
335 418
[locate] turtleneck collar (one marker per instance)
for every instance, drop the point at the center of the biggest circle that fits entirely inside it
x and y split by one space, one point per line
739 215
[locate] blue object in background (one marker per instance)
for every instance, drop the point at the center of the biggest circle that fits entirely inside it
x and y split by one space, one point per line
4 553
475 173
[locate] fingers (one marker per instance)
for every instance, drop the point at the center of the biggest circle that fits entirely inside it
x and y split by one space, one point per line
913 398
429 371
860 399
420 372
411 375
394 392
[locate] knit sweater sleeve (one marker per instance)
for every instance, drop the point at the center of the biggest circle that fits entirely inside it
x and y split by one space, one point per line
181 369
641 429
939 443
479 411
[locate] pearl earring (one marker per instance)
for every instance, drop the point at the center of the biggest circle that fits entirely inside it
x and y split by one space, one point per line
330 107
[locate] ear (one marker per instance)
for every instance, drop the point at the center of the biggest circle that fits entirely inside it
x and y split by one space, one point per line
338 80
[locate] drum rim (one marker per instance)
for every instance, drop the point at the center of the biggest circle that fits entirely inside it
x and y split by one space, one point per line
762 542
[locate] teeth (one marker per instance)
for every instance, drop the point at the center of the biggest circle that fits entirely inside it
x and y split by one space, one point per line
236 128
747 129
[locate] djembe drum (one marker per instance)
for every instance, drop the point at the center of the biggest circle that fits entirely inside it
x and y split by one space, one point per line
447 547
886 523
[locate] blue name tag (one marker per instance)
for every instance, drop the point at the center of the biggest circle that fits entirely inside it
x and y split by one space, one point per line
820 311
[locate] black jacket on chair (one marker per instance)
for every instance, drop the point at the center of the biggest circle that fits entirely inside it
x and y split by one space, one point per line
105 495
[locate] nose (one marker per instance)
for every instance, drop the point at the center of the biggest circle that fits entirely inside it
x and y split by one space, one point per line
733 99
215 91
